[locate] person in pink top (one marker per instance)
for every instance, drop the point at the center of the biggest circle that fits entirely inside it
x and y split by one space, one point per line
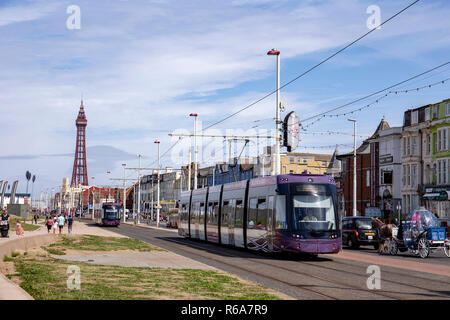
19 229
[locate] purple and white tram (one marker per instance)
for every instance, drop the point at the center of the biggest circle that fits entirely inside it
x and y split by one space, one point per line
109 215
293 212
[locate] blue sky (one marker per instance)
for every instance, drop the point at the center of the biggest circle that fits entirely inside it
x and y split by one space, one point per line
144 65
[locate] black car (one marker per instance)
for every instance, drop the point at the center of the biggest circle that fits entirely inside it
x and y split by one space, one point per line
357 231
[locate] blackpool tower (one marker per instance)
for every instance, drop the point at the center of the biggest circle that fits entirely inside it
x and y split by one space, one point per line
79 175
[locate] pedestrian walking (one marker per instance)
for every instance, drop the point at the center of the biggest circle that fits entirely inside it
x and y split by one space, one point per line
60 223
55 226
36 219
69 224
49 224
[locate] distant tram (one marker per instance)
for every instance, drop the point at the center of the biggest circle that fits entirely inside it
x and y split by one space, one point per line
109 215
294 213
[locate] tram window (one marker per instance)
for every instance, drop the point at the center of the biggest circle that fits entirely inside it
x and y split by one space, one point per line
239 213
215 212
210 210
225 209
252 210
202 213
270 212
280 212
261 218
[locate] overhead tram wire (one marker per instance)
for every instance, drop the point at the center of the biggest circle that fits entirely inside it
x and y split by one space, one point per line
312 68
375 93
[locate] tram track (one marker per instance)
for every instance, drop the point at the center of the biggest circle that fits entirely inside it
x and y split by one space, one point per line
347 286
196 249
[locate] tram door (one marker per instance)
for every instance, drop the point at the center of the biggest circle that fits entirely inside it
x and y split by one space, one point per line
231 217
270 231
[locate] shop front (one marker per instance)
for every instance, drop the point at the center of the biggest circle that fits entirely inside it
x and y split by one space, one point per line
437 200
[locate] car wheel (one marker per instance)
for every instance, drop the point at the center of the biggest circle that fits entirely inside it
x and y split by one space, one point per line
376 246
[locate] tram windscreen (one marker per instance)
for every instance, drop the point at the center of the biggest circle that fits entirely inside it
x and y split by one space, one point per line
314 212
111 213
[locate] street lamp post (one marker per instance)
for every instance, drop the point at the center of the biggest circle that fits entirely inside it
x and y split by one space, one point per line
354 166
93 198
139 190
124 192
274 52
158 188
399 209
195 148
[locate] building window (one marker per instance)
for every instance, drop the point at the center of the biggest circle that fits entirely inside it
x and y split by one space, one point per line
414 150
448 109
408 146
386 177
291 159
305 161
299 160
324 164
414 175
367 178
435 111
427 114
404 146
428 144
415 117
291 171
408 173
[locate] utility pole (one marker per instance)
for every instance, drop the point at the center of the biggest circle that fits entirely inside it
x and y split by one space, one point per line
195 149
189 172
354 166
93 199
124 192
139 190
274 52
158 188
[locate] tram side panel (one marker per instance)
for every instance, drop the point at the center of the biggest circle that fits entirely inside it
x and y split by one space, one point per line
185 204
260 217
212 214
233 215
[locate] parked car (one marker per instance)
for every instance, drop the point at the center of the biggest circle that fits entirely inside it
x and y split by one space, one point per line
357 231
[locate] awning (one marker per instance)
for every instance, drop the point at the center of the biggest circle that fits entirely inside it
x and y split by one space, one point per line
437 196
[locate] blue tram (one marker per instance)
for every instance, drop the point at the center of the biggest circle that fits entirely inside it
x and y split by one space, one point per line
109 215
294 212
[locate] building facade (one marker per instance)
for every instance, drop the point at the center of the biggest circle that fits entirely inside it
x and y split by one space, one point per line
298 162
436 188
390 170
416 156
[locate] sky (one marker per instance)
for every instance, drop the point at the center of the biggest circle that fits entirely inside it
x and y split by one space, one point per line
142 66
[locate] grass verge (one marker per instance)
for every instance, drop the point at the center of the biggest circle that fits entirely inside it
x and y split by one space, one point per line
46 278
96 243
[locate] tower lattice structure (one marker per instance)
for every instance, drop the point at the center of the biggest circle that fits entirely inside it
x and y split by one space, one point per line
79 175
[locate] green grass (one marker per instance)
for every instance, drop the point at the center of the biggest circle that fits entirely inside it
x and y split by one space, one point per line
7 259
46 279
96 243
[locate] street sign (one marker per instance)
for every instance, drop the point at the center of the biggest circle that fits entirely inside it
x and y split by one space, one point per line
291 131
